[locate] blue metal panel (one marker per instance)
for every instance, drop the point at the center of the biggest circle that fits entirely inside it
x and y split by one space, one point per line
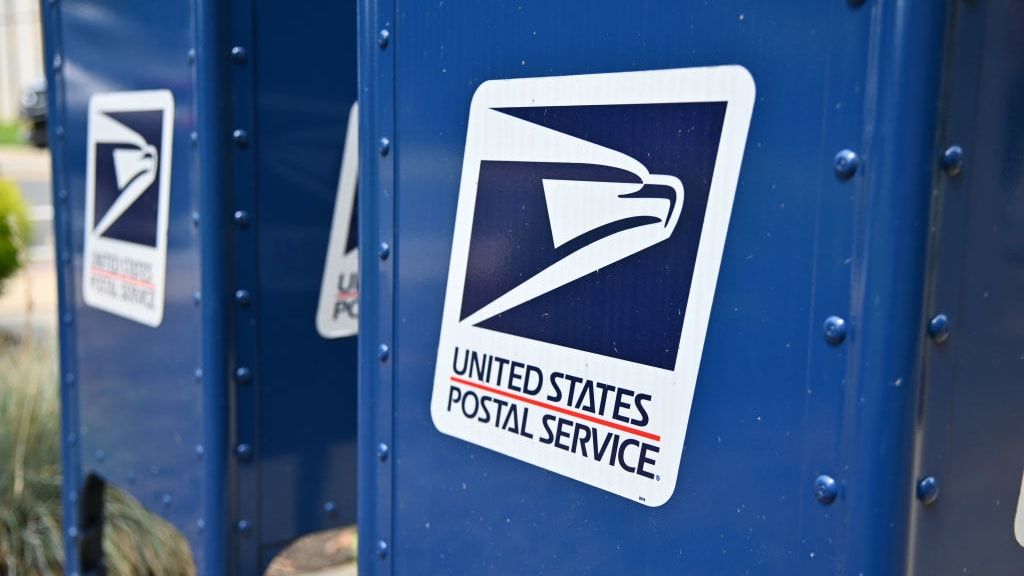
164 412
776 405
136 424
972 401
307 423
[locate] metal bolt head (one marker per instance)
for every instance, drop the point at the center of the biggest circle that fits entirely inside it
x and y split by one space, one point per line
100 455
384 250
166 500
383 37
242 297
938 328
241 218
243 526
382 452
383 352
330 507
240 137
195 219
243 375
846 163
191 55
928 490
244 452
238 54
197 297
382 549
825 489
198 374
953 160
384 146
834 330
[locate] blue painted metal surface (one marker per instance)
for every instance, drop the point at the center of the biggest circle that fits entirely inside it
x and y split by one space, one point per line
782 403
972 403
160 412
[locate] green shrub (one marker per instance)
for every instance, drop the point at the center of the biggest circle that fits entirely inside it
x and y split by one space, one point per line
15 230
136 542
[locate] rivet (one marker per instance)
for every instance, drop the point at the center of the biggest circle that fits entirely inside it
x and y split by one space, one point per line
243 375
382 549
198 374
244 452
73 496
57 61
69 379
200 524
68 318
242 297
72 438
200 451
953 160
241 218
383 352
938 328
834 330
330 507
100 455
197 297
384 250
825 489
384 146
243 526
73 532
194 137
62 194
382 452
240 137
846 162
166 500
383 37
195 218
60 131
928 490
238 54
191 55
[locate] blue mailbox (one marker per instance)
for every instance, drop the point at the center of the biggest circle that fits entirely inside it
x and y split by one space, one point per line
207 353
681 287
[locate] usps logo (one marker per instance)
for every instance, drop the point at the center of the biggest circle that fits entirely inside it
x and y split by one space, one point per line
127 195
337 314
591 221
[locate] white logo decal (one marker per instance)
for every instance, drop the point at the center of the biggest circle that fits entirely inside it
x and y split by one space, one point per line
337 313
591 222
128 176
